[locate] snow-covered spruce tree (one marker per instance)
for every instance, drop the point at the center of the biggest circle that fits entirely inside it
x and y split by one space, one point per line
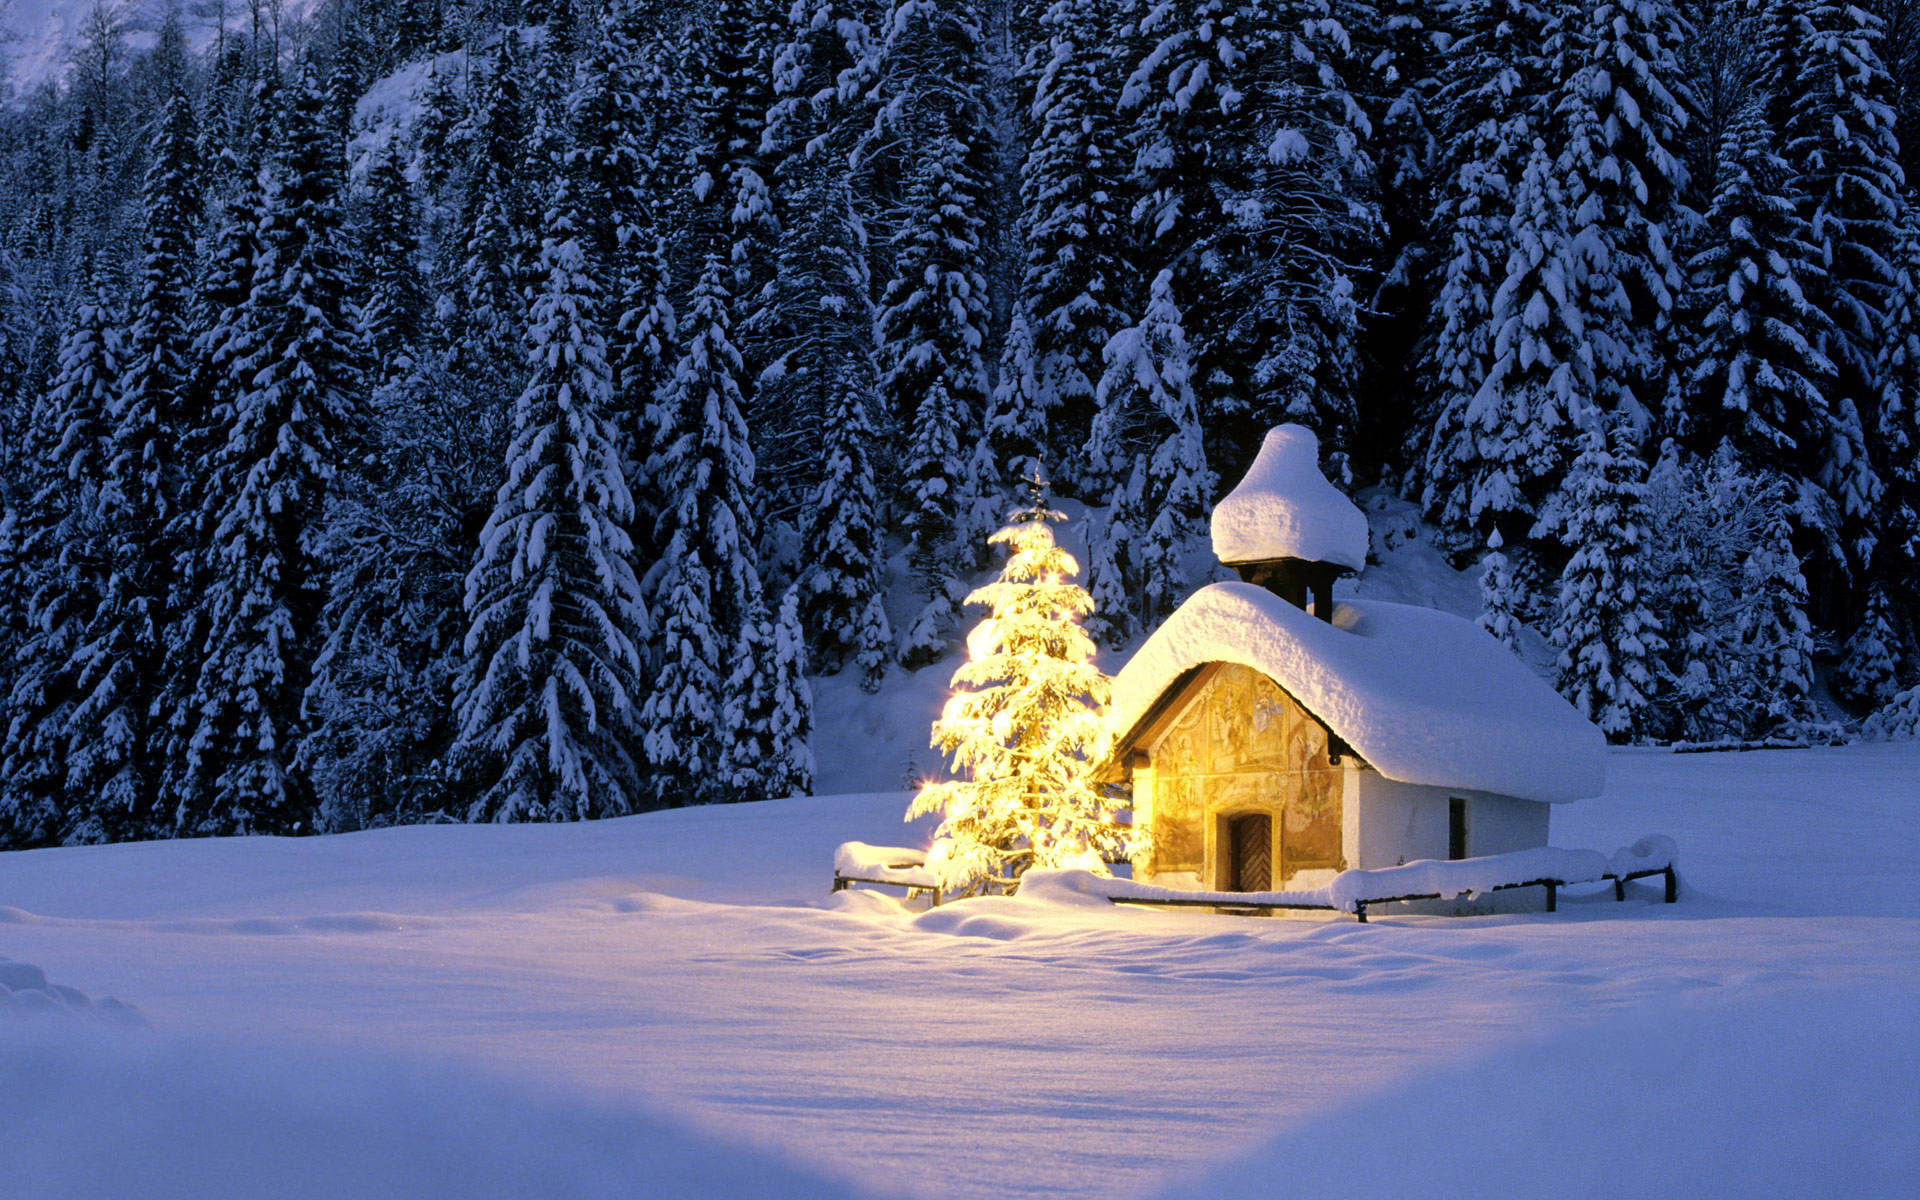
1074 278
483 305
1497 599
1608 637
1175 103
806 316
618 143
746 708
1756 377
1681 572
291 423
1830 106
789 772
1900 48
1539 385
708 580
1493 102
730 73
1896 563
1869 672
1249 181
768 713
1148 432
936 470
437 129
933 311
1023 728
825 367
399 544
1775 677
224 340
1110 623
1401 45
395 307
60 541
1298 190
114 773
1017 418
1626 111
546 705
1896 721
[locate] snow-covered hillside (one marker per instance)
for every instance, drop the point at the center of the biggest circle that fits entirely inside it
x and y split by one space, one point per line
607 1008
38 37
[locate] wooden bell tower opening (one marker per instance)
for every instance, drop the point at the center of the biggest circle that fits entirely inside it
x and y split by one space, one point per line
1297 581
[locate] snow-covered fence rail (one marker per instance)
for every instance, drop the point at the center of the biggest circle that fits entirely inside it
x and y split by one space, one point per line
884 866
1651 855
1355 891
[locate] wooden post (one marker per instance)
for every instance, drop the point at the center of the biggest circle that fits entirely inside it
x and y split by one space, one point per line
1673 885
1140 771
1553 895
1619 888
1360 910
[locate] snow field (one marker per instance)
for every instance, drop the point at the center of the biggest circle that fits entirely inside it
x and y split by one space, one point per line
649 989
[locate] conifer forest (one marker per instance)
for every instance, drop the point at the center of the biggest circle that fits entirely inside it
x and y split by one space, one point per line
498 410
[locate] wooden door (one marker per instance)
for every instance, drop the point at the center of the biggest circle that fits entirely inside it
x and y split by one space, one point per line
1250 853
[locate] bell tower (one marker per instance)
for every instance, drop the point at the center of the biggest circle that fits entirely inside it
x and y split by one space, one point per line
1286 528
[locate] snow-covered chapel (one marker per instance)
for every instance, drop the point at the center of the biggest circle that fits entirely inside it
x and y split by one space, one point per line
1274 736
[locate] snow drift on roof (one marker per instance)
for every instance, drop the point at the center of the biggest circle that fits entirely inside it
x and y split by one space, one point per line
1285 508
1423 696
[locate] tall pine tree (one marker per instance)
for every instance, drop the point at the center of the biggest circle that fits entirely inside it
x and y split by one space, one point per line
547 705
933 311
292 420
1608 637
1830 106
115 774
60 541
709 582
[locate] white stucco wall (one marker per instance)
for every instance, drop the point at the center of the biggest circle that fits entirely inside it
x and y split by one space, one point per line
1388 823
1500 824
1394 823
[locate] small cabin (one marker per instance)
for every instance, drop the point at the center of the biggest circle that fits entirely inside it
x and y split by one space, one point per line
1274 737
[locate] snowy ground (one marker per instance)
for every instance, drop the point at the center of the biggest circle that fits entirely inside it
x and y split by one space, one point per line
601 1009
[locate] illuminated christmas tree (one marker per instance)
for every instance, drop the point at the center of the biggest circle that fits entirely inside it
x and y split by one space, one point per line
1023 729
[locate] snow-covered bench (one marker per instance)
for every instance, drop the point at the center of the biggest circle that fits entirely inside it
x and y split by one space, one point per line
884 866
1356 890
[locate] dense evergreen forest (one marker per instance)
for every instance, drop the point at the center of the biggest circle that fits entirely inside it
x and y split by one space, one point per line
496 410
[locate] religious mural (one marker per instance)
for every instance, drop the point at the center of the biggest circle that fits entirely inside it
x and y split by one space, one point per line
1243 745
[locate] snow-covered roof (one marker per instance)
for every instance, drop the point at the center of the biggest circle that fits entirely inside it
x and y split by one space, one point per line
1285 508
1423 696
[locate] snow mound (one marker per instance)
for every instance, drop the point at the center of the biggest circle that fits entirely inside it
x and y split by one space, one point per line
96 1117
25 988
1423 696
1806 1093
1654 852
1897 721
1071 888
1285 508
